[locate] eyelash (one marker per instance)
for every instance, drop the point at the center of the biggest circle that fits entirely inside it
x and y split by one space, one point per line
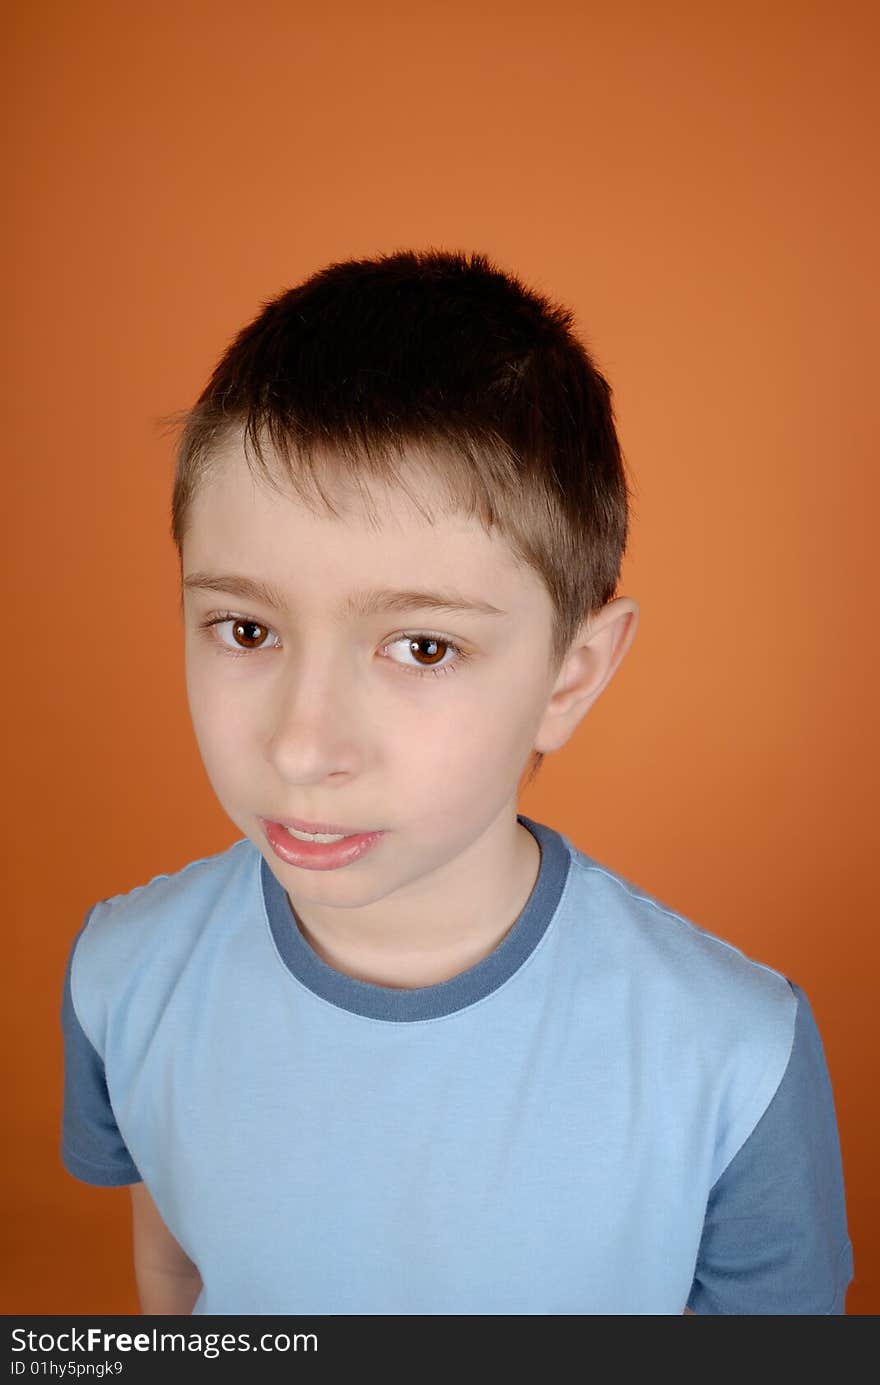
225 617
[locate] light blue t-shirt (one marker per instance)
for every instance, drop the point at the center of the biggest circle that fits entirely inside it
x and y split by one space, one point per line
615 1112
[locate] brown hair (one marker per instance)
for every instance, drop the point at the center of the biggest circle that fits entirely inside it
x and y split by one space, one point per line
434 360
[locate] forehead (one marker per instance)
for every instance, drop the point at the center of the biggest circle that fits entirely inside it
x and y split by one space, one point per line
240 523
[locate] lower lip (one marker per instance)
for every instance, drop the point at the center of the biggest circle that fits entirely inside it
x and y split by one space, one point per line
318 855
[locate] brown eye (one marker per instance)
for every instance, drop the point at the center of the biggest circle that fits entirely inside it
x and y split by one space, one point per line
247 636
428 651
436 648
246 640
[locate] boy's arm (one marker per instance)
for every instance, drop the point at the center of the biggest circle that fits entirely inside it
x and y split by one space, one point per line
775 1236
167 1280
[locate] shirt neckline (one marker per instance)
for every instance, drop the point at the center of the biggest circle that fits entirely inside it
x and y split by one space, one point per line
446 997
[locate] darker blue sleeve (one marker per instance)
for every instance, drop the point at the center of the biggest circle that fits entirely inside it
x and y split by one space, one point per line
92 1149
775 1237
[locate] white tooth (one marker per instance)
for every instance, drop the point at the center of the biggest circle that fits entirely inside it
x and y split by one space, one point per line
315 836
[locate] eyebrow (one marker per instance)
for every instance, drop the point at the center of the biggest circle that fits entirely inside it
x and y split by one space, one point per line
372 602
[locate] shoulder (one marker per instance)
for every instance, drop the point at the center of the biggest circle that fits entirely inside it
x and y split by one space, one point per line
699 1003
147 932
669 951
169 900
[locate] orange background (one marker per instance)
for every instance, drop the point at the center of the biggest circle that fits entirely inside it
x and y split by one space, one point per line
697 183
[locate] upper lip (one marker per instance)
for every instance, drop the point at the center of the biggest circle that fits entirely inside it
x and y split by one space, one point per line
329 828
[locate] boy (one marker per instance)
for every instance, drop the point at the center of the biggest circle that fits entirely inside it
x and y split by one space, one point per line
400 1049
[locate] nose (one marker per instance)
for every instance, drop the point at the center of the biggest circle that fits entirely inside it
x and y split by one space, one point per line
314 716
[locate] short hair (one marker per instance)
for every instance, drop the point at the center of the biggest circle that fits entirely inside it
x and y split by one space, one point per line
436 360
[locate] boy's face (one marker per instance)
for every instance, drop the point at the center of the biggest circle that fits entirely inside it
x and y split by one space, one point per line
316 714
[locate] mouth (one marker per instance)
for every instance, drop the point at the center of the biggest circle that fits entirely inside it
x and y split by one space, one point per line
320 831
317 851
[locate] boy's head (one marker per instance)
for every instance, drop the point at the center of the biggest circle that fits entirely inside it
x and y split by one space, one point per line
420 421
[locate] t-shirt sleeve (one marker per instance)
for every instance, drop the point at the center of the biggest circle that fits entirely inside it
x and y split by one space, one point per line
775 1237
92 1148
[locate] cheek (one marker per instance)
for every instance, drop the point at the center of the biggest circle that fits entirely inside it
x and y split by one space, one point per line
212 693
216 716
468 741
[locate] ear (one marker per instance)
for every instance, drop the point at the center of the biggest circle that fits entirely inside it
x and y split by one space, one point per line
593 658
